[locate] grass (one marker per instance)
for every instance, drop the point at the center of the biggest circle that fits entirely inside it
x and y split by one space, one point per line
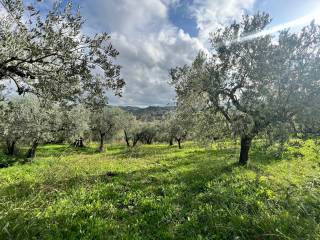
161 192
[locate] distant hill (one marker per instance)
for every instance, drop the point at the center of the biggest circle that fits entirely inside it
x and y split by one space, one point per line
149 113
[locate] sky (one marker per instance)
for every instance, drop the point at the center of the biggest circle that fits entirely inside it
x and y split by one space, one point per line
154 36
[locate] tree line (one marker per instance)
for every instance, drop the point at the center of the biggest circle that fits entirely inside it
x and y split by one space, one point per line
28 121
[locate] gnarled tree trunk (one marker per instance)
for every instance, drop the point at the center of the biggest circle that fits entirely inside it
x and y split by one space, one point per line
32 151
245 148
101 146
11 148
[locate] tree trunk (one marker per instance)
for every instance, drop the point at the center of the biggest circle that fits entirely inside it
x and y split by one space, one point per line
179 143
101 147
79 143
244 152
32 151
171 142
11 148
135 141
126 139
149 140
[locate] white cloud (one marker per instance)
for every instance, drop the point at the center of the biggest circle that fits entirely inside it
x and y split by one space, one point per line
150 44
211 14
3 12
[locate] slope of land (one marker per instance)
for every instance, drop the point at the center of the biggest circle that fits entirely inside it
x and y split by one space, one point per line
160 192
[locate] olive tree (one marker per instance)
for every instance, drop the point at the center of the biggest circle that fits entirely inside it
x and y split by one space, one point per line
40 126
148 132
254 80
307 121
48 54
105 123
73 125
28 122
131 128
163 129
11 125
178 126
209 127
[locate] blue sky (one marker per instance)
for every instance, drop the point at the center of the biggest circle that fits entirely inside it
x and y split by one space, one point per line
281 11
181 17
286 10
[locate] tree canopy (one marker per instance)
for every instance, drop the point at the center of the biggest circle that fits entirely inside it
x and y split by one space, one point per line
51 56
254 82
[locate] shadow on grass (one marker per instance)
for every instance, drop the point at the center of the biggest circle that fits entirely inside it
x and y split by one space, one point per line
199 194
142 195
45 151
142 151
65 150
199 159
8 161
259 155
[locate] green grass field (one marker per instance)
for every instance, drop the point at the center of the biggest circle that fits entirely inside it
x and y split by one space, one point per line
161 192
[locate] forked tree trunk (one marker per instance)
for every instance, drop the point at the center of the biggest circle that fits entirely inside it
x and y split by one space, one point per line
11 148
79 143
149 140
245 148
179 142
135 141
126 139
101 146
32 151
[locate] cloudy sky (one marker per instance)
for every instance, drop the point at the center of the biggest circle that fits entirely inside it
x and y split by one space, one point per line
156 35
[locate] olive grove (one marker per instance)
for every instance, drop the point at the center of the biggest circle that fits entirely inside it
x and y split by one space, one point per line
251 84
